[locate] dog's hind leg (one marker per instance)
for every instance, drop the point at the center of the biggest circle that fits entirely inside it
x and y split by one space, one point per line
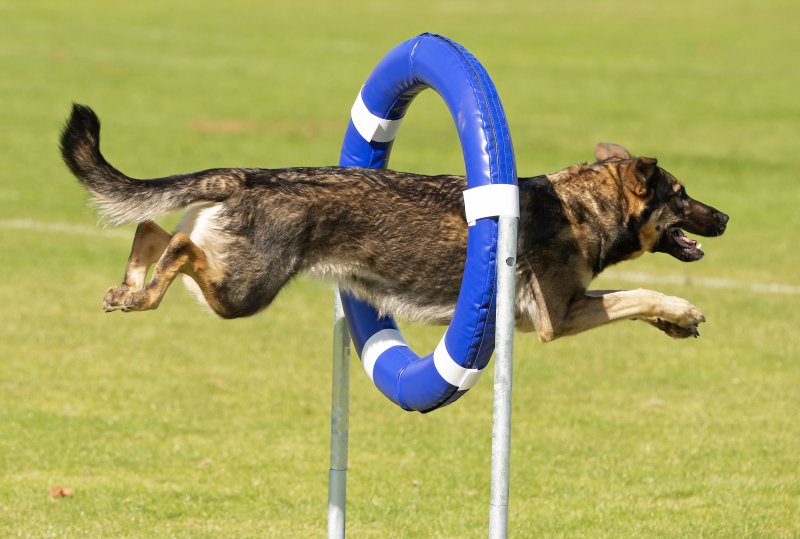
181 255
149 244
173 255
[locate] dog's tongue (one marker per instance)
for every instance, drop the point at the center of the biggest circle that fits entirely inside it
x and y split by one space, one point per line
675 243
690 247
684 241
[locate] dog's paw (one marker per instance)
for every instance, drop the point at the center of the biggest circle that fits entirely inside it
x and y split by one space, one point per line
691 316
137 300
674 330
115 298
678 318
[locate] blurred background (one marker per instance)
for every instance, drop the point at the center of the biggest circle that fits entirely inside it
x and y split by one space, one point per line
177 424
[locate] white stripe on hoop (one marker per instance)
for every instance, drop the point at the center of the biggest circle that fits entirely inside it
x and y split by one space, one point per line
371 127
377 345
453 373
491 200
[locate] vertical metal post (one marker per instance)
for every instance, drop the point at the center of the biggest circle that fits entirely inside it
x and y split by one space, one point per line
340 420
503 364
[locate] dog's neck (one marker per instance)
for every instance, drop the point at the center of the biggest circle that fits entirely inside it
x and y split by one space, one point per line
565 203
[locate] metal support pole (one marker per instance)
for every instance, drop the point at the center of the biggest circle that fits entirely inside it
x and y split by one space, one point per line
503 364
340 419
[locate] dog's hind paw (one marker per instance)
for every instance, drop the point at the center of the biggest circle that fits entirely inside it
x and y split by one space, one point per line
114 299
136 300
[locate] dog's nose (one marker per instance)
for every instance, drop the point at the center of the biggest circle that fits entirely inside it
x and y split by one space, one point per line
722 217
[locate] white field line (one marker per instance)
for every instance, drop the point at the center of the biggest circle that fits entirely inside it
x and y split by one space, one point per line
703 282
630 276
63 228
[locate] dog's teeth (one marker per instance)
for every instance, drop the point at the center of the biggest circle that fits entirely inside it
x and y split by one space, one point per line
699 245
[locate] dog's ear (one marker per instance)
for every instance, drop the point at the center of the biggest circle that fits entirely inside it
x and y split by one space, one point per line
604 151
644 169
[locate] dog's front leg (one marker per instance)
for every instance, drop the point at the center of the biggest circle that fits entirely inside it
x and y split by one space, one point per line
149 244
675 316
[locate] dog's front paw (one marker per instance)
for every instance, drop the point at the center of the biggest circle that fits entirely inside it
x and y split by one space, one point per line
689 316
115 298
678 318
674 330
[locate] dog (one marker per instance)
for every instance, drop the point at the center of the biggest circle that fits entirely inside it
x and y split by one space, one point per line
396 240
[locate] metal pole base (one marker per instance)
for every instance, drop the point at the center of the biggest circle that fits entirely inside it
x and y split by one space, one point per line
340 421
503 363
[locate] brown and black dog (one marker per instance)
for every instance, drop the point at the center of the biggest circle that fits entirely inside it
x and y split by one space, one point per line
396 240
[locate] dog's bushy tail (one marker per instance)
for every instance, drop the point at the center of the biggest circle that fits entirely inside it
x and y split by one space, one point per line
122 199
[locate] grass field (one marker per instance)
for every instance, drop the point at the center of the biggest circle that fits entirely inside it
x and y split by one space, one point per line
177 424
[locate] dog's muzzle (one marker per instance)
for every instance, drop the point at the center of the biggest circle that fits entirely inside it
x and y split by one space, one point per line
676 243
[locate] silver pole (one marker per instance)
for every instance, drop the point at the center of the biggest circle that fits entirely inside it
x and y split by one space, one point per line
503 363
340 419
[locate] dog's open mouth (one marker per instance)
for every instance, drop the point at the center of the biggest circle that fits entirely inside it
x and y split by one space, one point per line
676 243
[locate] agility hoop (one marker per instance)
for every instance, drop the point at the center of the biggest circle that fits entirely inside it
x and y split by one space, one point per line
432 61
484 315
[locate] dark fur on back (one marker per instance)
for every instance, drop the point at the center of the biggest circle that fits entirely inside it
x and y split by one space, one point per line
397 240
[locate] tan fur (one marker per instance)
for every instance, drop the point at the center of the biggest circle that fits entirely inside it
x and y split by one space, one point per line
172 255
648 236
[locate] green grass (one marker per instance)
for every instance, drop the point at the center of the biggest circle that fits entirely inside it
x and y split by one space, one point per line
178 424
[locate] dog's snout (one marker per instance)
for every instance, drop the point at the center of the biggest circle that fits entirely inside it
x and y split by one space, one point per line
721 223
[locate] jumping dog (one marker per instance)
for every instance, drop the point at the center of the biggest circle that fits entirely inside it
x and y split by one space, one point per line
394 239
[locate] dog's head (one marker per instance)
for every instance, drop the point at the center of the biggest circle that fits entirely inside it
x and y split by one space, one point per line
666 209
